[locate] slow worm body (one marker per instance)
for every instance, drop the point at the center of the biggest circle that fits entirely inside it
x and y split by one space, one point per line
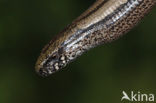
104 21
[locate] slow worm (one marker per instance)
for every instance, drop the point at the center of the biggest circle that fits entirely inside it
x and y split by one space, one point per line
104 21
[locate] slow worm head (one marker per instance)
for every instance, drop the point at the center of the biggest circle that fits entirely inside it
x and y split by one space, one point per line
104 21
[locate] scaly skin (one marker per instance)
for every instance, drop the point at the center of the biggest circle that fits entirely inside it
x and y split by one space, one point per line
104 21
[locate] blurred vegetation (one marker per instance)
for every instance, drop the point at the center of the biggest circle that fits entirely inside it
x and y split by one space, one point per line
99 76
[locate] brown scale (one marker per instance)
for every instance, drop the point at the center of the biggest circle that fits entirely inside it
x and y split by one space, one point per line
124 25
120 27
103 31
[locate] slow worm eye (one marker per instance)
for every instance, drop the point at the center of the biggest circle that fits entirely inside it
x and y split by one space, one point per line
104 21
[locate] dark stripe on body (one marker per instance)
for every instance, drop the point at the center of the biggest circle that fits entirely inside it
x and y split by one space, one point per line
107 21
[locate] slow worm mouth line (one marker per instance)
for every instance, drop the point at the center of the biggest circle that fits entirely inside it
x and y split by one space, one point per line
104 21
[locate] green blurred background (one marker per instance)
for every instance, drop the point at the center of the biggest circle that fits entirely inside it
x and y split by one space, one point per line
99 76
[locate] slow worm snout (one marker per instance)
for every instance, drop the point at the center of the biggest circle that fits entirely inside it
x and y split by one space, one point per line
104 21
